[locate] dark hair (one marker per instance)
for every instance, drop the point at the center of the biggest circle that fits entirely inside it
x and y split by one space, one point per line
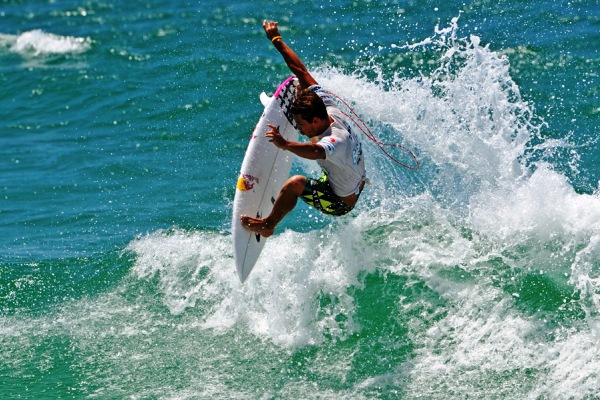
309 105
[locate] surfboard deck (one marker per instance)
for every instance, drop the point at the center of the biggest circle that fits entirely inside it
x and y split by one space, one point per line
264 170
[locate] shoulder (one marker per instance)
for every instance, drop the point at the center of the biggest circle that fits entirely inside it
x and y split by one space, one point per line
329 144
324 94
334 140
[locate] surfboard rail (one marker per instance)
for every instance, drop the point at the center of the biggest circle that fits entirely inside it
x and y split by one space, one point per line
264 170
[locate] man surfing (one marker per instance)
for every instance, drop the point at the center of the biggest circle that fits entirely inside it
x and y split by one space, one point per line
333 145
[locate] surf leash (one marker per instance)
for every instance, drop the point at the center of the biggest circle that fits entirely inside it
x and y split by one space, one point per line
368 133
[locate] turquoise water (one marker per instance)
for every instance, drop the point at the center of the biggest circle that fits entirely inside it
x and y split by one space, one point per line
123 127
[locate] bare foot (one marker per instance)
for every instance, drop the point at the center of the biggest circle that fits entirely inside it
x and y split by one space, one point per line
257 225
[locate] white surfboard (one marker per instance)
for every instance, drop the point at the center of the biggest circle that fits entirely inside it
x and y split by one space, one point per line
264 171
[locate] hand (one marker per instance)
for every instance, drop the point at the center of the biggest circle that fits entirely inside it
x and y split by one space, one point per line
271 29
276 138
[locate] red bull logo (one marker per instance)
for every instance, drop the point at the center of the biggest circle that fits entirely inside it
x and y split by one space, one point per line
246 182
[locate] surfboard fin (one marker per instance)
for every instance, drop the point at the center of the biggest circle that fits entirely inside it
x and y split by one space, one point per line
256 234
265 99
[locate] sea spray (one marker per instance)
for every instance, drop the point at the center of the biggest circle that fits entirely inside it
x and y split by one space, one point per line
486 258
193 270
460 280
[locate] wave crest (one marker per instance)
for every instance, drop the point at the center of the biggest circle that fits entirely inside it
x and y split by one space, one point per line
37 43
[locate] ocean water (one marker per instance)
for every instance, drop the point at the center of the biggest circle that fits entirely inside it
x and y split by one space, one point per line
123 127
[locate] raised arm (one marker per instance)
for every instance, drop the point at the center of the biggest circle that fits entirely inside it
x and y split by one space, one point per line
289 56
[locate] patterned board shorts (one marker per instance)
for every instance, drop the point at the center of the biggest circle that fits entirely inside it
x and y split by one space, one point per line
320 195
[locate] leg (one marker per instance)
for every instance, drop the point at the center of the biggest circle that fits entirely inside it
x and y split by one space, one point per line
286 201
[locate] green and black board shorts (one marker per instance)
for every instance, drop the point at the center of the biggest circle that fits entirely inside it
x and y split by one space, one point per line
320 195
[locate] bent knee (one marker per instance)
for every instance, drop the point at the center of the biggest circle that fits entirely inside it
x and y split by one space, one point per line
295 184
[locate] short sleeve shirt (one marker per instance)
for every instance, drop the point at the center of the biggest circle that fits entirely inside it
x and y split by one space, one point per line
344 162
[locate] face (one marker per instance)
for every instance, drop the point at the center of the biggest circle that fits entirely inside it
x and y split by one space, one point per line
305 127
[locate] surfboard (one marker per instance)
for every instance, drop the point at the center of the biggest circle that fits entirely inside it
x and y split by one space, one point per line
264 170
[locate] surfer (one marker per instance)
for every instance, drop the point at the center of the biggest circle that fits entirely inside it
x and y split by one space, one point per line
334 146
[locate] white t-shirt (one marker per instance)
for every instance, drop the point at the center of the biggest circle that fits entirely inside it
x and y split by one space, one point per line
344 162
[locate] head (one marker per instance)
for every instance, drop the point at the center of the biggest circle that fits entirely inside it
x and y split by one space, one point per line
310 113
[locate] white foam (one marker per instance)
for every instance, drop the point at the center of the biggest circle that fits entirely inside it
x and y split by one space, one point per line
477 200
472 128
478 126
184 263
472 124
485 338
546 212
39 43
280 301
